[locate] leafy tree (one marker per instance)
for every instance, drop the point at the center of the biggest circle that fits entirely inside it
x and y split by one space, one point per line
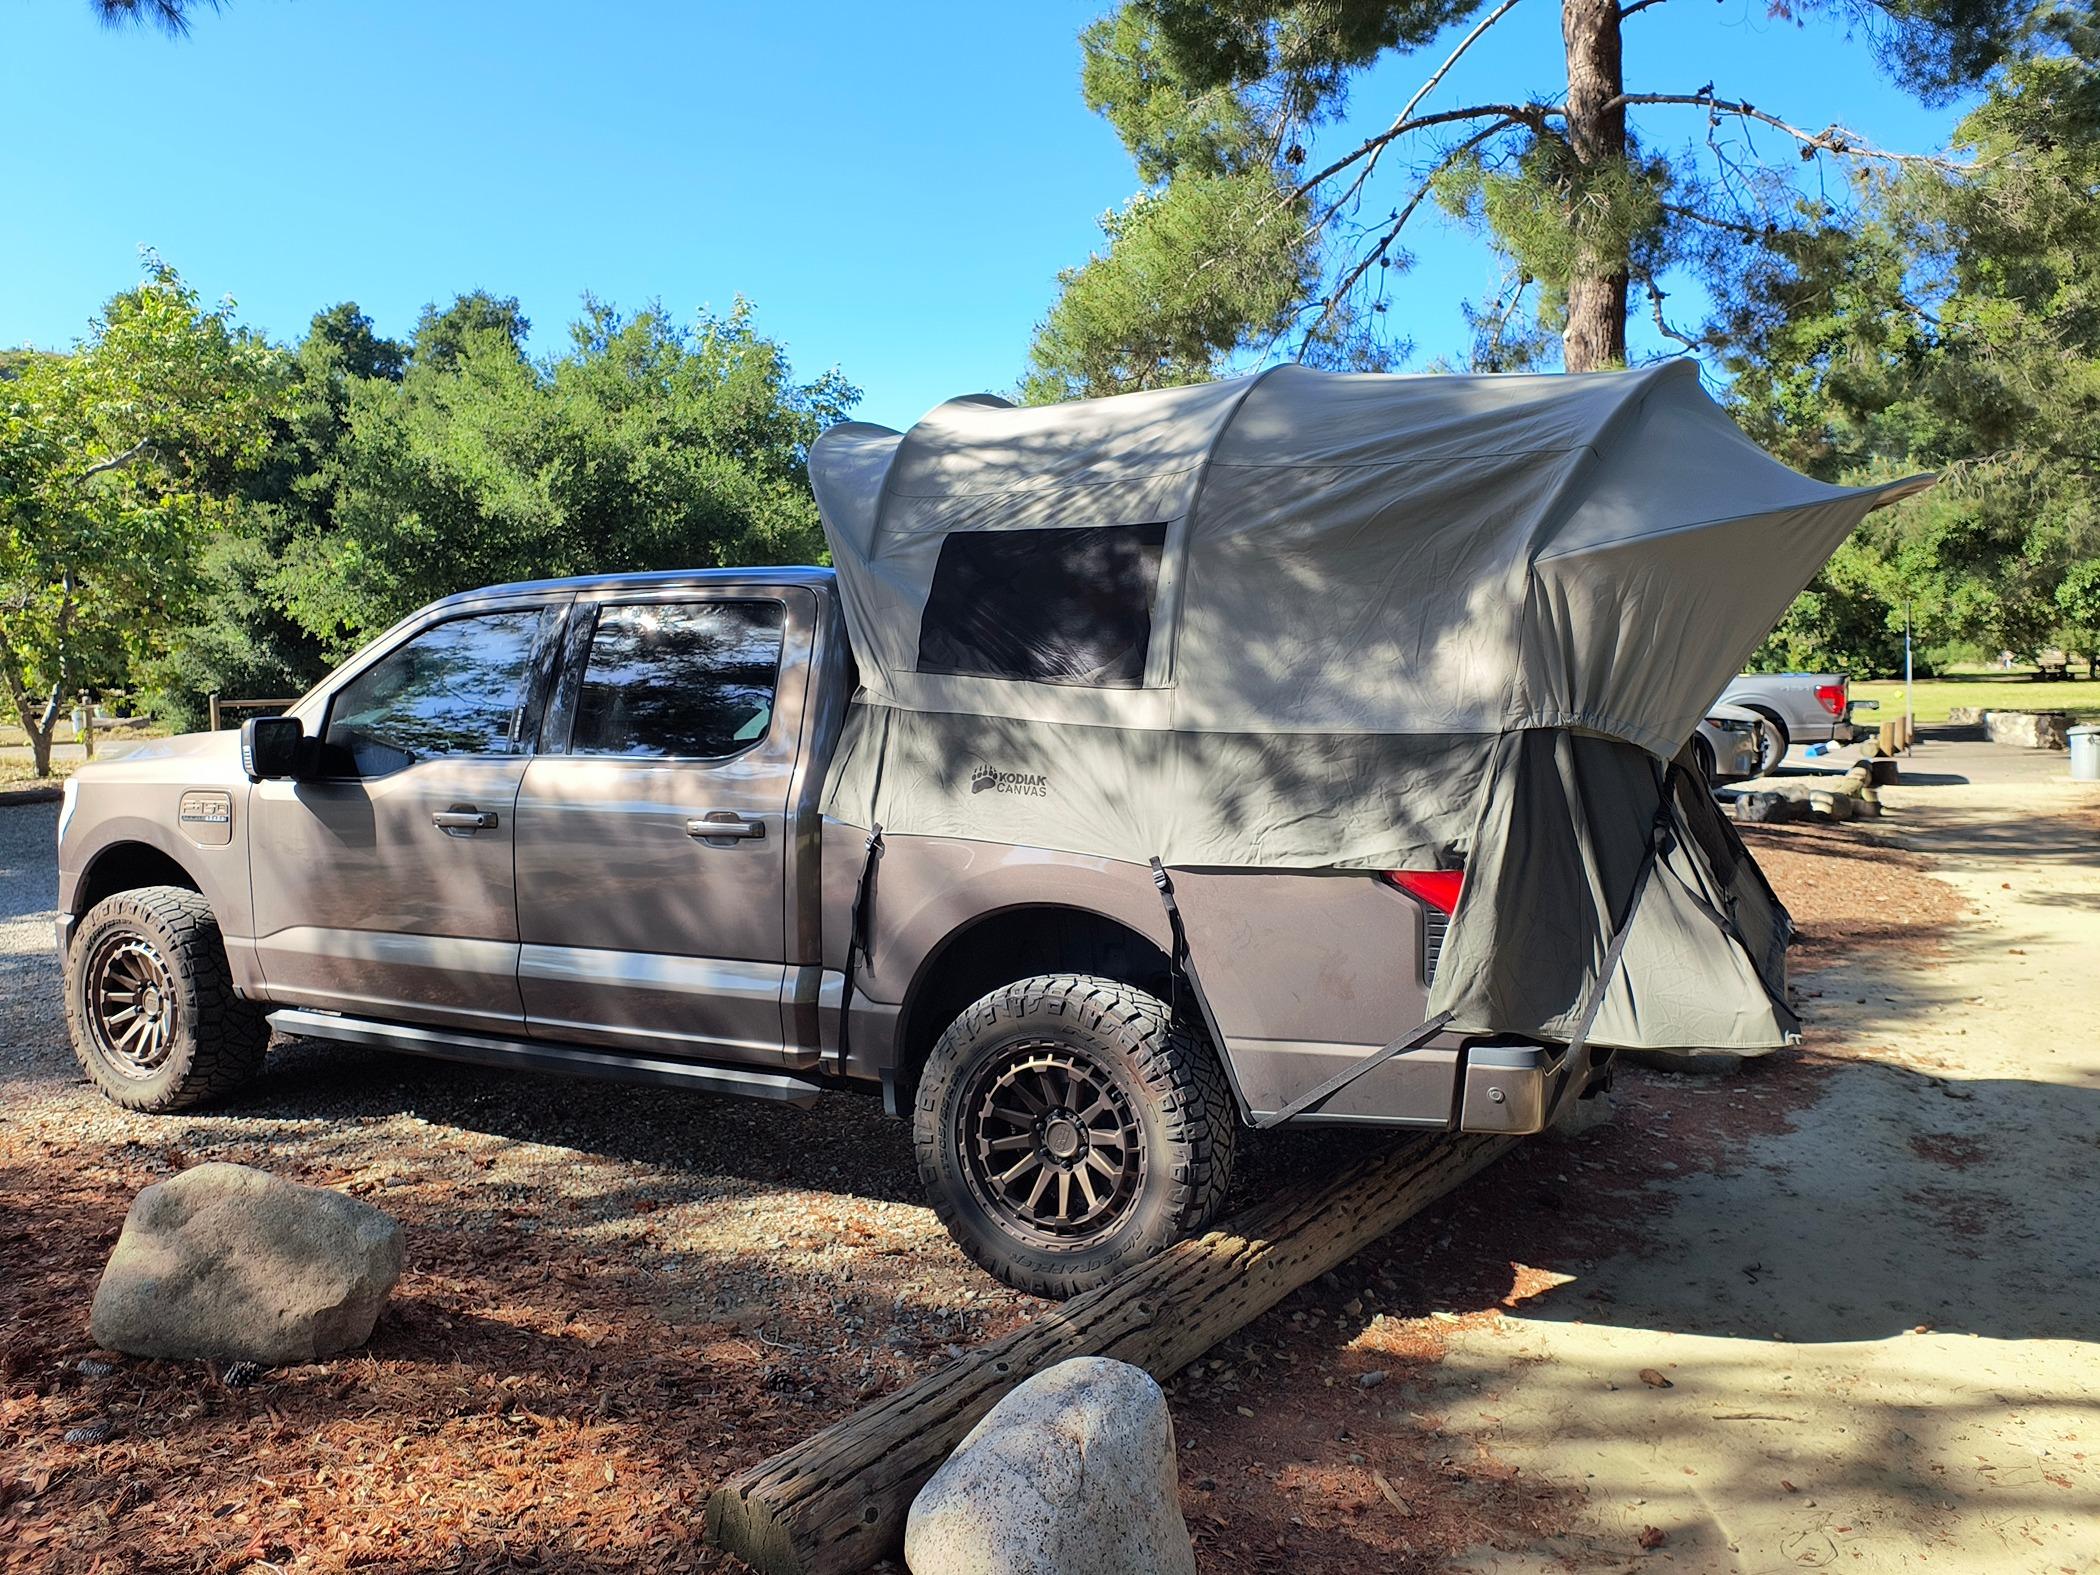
645 445
441 337
242 638
1244 242
1956 328
116 462
2079 597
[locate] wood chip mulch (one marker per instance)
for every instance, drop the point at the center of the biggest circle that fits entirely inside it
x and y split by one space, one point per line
530 1404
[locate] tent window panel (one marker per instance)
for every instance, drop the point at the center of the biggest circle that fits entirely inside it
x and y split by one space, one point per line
1060 606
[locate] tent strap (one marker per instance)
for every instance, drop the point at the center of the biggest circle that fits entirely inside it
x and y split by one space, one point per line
1354 1070
1184 967
857 937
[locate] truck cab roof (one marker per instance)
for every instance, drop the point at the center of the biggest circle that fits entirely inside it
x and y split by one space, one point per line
653 579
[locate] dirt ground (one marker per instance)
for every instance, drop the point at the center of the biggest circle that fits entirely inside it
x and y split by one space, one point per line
616 1297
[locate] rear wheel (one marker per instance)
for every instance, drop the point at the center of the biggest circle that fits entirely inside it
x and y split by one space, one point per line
150 1004
1068 1127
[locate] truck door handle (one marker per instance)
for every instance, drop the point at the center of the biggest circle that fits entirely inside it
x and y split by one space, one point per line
727 825
463 820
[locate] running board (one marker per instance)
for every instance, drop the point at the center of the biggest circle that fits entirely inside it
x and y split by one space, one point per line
448 1044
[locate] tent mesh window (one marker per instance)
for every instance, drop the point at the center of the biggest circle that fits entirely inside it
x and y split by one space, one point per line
1058 606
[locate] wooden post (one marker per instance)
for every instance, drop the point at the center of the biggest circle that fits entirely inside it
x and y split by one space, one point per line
211 704
837 1501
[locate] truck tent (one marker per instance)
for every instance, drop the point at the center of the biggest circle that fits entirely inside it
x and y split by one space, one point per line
1332 621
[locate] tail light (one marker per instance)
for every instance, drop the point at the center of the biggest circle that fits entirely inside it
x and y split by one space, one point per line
1831 697
1438 888
1437 891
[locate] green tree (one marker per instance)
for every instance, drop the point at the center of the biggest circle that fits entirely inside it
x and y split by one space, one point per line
644 445
242 639
116 463
1243 242
1954 327
2079 598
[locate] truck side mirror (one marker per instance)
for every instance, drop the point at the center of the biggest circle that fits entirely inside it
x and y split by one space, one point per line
270 747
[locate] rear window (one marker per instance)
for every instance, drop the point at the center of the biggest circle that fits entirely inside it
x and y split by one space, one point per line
1061 606
679 680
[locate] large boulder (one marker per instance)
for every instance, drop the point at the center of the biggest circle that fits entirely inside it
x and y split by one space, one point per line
2029 729
228 1262
1071 1474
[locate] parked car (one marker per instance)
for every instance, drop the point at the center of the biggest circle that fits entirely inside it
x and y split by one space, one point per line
1730 744
1798 708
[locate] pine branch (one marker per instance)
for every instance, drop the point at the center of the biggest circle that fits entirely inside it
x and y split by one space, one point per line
1404 121
1831 139
1532 115
1393 229
1662 326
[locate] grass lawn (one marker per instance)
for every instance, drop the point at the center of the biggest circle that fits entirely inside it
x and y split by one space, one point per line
19 774
16 772
1991 690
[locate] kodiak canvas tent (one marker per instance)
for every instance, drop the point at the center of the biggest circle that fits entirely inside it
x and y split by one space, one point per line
1318 620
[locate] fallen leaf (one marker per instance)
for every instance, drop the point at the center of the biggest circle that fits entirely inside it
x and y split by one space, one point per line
1652 1537
1655 1380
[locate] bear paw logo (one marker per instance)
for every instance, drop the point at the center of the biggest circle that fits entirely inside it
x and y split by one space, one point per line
983 779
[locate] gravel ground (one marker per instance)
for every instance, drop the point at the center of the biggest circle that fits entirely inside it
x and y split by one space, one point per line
617 1297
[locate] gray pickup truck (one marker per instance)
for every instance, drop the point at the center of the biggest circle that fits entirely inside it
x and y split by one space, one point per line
575 826
1797 708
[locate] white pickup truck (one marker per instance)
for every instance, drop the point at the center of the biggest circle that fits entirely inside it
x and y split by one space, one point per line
1798 708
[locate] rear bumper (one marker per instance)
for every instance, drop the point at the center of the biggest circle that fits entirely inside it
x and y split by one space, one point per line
1519 1089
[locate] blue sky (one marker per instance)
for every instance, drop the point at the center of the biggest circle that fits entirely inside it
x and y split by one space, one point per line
894 186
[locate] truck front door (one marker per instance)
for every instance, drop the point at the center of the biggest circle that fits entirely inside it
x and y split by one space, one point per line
651 871
384 887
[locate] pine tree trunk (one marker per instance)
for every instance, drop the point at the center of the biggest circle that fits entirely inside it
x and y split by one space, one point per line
1595 336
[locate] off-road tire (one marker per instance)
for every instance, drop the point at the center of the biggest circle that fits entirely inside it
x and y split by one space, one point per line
1773 744
1172 1088
216 1041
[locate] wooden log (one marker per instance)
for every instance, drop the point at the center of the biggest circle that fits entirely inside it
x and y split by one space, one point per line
837 1501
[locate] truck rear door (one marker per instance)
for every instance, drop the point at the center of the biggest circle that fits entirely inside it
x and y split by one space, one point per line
650 830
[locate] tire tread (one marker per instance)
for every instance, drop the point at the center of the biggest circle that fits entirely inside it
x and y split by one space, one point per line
227 1035
1172 1060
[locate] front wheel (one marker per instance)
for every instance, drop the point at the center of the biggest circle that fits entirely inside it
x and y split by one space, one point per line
1068 1127
1773 742
150 1003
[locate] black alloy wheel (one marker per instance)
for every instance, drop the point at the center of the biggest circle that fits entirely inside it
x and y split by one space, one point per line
1070 1126
131 1004
1051 1143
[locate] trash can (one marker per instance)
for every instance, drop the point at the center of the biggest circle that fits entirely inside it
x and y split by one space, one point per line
2085 753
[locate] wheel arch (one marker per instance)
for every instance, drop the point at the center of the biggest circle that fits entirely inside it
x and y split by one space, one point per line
129 866
1003 945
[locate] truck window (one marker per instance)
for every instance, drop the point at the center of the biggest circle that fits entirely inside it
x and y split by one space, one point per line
1065 606
679 680
458 688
